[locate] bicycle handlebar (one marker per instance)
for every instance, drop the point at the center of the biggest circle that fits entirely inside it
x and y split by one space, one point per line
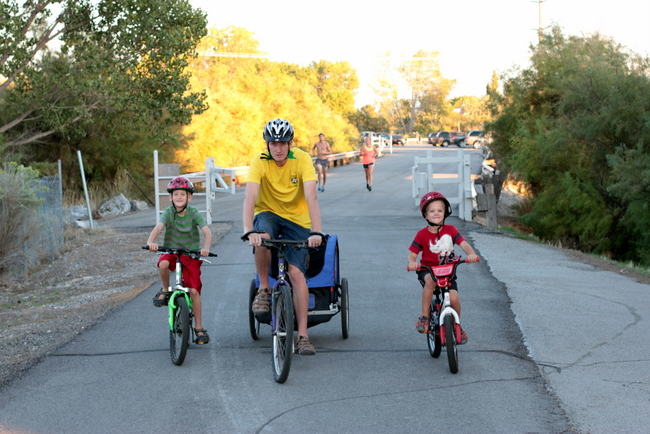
420 268
180 251
272 242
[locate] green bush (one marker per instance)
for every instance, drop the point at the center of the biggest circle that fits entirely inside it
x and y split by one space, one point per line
18 205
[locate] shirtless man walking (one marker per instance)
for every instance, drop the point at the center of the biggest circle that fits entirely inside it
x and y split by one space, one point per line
322 163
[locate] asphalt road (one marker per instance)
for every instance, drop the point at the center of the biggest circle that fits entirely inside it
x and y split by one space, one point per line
551 347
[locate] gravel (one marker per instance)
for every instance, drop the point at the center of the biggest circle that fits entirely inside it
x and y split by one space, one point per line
99 272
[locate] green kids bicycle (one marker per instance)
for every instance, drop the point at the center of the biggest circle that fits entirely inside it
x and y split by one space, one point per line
179 303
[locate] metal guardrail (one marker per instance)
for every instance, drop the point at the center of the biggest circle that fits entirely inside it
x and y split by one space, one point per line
222 179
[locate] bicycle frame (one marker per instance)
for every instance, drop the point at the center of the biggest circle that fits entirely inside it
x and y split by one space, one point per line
181 315
179 290
442 275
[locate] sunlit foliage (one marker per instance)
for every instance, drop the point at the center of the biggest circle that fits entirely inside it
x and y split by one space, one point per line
245 92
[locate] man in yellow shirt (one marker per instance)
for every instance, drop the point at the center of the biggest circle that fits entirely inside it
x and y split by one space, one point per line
281 198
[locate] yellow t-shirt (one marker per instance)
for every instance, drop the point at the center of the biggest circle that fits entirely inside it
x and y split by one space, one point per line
282 189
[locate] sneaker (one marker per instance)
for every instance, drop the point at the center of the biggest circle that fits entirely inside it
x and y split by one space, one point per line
304 347
370 188
422 325
261 302
323 189
319 189
463 336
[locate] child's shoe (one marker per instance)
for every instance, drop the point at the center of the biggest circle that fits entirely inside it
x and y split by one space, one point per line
422 325
160 302
463 336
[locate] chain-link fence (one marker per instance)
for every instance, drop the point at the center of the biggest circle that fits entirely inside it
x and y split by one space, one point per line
43 231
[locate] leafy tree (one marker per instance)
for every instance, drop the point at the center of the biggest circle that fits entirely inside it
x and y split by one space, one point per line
428 91
367 119
469 113
335 84
245 92
575 126
122 59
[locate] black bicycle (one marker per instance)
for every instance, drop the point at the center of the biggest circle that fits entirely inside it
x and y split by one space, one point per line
181 316
281 305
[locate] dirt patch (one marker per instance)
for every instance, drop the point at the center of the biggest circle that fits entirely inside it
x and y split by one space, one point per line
101 270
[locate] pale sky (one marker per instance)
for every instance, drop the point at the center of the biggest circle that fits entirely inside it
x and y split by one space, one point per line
474 37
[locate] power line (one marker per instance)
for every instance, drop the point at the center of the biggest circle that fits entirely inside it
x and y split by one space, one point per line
245 55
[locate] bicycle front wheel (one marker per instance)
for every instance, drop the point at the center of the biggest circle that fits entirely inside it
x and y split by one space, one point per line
450 338
253 323
179 335
282 324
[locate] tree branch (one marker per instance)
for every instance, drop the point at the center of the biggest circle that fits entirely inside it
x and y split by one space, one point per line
40 135
46 38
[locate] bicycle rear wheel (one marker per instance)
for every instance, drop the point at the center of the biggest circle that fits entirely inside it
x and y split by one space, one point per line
450 338
282 324
433 337
179 335
345 308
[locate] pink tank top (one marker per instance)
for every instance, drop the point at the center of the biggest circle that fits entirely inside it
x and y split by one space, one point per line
368 155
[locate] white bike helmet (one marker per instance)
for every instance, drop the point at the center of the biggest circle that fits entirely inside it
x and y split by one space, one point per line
278 130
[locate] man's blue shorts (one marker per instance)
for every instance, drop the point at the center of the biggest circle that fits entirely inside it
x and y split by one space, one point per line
275 225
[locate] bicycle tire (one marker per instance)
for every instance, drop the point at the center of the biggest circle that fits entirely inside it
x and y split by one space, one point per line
253 323
282 324
179 335
345 308
450 343
433 338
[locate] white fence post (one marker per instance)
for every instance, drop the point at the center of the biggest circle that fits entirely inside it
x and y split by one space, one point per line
461 180
209 194
156 189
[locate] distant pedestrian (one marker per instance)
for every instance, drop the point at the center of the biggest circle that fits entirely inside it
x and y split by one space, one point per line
323 151
368 154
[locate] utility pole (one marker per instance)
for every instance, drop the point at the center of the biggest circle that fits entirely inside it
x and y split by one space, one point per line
540 29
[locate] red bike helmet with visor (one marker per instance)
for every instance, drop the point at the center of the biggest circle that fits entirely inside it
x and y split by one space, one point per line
430 197
180 183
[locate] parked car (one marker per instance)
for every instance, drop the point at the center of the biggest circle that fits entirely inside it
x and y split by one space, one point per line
444 138
457 139
385 138
472 137
398 139
433 140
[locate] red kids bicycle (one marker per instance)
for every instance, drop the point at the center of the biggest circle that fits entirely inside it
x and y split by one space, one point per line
444 322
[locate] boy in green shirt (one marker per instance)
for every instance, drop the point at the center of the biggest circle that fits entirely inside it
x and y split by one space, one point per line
181 223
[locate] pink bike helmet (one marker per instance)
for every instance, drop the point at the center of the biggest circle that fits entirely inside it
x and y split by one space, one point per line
430 197
180 183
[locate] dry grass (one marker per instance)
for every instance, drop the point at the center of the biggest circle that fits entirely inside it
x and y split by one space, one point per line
99 192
